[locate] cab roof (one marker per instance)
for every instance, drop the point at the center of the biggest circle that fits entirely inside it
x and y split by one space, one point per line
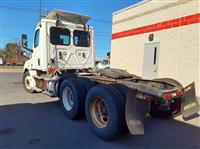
68 17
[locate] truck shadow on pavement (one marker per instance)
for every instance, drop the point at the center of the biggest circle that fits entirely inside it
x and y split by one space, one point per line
43 125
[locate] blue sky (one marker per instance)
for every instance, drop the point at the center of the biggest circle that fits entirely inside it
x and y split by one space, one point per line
21 16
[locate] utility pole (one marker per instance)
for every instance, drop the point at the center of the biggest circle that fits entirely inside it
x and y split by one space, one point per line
40 10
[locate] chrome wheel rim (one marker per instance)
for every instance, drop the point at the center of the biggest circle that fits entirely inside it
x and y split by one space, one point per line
67 97
99 112
27 82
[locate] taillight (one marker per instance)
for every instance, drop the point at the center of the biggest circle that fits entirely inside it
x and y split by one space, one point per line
179 92
167 96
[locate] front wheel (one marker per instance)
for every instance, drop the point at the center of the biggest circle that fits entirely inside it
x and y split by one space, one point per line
28 82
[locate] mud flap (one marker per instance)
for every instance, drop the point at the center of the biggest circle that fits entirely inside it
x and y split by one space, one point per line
136 109
189 105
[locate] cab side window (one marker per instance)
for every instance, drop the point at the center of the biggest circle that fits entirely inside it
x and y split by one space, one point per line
36 39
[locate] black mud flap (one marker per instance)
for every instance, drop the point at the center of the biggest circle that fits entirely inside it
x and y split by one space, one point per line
189 105
136 109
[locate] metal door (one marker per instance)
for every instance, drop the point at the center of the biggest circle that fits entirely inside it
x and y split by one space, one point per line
150 63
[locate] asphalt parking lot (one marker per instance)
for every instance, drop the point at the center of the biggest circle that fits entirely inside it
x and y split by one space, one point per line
36 121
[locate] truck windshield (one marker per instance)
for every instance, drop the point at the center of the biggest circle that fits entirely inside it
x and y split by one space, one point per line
59 36
81 38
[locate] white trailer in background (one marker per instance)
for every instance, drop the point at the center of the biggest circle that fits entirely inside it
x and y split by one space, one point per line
62 65
158 38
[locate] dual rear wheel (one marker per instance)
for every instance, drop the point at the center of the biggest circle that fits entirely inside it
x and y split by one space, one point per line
105 112
103 105
72 93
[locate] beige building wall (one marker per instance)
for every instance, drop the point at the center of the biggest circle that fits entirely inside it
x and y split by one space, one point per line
179 56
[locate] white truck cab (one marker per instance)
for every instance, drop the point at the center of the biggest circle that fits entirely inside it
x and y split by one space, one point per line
61 39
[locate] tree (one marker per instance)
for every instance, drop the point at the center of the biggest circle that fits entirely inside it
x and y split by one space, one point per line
12 53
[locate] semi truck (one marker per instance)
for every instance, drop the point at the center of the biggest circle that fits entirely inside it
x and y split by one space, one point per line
62 64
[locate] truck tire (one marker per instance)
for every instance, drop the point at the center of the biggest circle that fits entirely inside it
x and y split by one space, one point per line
86 83
61 79
174 108
72 96
27 82
122 89
105 112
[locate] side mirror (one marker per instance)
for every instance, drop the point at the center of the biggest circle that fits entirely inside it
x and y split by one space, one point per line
24 43
24 40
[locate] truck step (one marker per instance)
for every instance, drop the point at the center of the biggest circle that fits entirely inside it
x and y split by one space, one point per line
42 77
37 89
50 94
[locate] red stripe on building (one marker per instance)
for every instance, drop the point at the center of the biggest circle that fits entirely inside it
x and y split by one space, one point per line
191 19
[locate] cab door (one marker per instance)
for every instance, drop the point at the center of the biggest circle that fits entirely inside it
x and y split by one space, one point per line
36 55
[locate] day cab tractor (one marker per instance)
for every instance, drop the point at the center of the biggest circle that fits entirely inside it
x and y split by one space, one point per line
62 64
